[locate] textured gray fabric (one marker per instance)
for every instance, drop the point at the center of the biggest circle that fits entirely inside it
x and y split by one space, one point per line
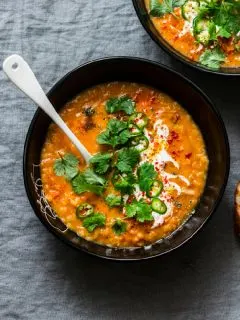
40 277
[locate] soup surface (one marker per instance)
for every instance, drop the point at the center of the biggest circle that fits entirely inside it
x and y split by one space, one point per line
207 31
147 174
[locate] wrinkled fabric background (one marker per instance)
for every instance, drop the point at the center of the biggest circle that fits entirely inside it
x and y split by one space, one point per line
42 278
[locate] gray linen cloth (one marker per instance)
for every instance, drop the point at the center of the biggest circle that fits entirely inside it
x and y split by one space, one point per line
40 277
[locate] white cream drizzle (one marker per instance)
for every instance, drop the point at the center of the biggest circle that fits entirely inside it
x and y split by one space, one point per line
164 157
160 135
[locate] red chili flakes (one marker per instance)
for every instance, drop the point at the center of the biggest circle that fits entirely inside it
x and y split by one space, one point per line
165 180
152 99
175 118
188 155
174 136
174 153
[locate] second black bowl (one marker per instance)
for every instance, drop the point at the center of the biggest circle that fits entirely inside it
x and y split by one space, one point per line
159 77
146 22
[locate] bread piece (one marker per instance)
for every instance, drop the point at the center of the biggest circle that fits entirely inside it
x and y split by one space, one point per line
237 209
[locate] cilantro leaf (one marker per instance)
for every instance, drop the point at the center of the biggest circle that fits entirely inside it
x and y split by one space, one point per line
66 166
88 181
124 103
119 227
127 159
146 174
71 159
93 178
157 8
124 182
222 32
116 133
101 162
212 58
93 221
113 200
139 210
59 167
227 16
116 126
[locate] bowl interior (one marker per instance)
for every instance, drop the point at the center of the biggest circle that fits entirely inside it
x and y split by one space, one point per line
155 75
144 18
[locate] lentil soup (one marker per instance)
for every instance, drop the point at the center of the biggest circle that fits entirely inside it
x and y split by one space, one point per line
147 173
207 31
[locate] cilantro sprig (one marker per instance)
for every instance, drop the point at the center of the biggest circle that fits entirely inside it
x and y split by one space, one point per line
124 182
117 133
88 181
113 200
127 159
158 9
93 221
66 166
139 210
101 162
123 103
212 58
146 175
119 227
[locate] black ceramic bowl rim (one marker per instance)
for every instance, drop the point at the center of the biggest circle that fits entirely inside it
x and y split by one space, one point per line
163 44
38 111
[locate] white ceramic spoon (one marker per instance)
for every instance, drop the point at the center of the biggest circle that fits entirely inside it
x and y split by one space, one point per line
19 72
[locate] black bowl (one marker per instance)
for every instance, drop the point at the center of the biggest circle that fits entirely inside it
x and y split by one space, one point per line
162 78
145 20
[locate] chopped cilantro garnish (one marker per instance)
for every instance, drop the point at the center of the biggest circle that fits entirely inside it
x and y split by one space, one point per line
119 227
127 159
226 14
124 103
139 210
146 175
212 58
159 8
66 166
101 162
93 221
124 182
113 200
93 178
117 133
88 181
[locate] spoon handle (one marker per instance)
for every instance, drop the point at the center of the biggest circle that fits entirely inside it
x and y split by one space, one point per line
19 72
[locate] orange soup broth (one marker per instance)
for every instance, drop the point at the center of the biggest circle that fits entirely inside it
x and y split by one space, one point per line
172 30
185 145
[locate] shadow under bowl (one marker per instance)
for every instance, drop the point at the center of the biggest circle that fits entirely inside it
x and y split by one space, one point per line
162 78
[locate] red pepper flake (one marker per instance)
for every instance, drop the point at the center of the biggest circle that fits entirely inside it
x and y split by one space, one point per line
175 153
188 155
165 180
175 118
152 99
173 137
